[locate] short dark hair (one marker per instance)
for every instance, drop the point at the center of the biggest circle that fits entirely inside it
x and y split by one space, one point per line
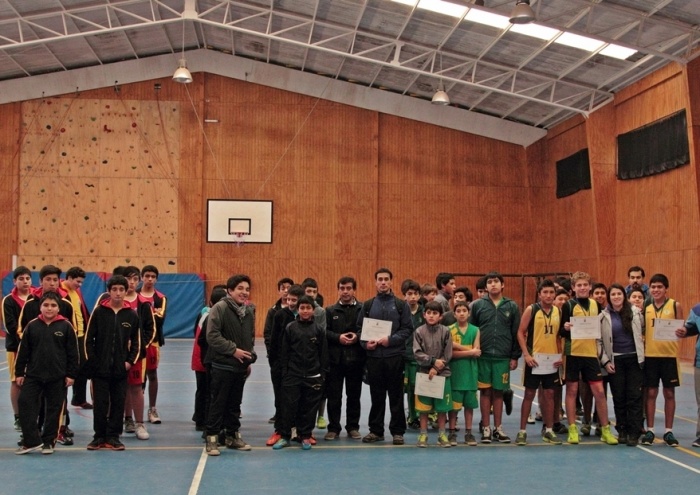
218 292
296 290
347 280
545 284
383 270
492 275
234 280
599 285
130 271
285 280
460 304
481 283
118 270
467 293
75 272
306 300
50 295
117 280
433 305
443 279
49 270
309 282
19 271
659 278
562 292
150 268
409 284
636 268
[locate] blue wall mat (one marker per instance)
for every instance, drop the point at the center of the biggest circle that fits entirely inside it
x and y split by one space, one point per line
184 292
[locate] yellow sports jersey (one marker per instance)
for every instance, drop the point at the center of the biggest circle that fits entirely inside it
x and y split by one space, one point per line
584 347
659 348
543 330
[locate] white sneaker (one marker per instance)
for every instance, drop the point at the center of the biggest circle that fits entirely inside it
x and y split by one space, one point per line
530 420
141 432
153 416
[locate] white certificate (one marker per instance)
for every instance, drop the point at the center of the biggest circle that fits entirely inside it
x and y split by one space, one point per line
375 329
585 327
666 329
426 387
545 363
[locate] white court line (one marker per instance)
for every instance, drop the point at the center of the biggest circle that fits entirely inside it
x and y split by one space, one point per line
196 480
689 468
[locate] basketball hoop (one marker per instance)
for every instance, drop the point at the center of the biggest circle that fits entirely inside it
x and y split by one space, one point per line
239 240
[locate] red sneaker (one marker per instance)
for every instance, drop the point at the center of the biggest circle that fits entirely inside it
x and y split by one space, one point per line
273 439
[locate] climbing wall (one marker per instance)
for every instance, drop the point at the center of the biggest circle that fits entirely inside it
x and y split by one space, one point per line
98 183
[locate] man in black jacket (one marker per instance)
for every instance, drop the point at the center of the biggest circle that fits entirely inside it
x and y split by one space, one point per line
112 345
385 358
346 359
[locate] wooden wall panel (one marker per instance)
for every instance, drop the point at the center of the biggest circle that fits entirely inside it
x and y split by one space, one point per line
10 143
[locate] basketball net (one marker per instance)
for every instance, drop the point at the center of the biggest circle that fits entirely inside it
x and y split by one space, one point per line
239 240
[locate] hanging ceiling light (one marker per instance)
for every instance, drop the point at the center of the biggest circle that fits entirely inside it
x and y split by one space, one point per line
182 75
522 13
440 97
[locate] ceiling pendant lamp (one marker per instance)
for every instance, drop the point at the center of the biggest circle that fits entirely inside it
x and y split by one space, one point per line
522 13
182 75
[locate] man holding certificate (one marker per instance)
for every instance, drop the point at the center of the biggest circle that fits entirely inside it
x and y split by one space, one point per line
580 318
537 336
384 324
663 319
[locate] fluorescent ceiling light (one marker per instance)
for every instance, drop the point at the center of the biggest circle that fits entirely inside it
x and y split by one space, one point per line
617 51
488 19
535 31
439 6
581 42
532 30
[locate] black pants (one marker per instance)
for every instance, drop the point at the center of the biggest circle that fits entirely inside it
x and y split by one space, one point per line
108 400
226 390
626 388
299 405
53 394
276 378
201 398
385 377
351 375
80 384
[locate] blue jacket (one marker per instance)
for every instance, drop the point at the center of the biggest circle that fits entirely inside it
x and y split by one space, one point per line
692 325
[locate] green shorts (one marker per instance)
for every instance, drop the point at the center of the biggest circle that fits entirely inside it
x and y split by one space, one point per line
494 373
464 398
427 404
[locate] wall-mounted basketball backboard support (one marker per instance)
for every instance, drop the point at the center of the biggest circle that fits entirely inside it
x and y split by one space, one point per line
236 221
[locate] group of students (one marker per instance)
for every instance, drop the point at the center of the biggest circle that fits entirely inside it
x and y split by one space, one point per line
53 342
473 345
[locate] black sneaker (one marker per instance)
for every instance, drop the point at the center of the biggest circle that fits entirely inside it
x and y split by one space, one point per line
508 401
670 439
63 439
560 428
500 436
632 440
397 440
621 436
414 425
47 449
696 443
648 438
69 433
113 443
96 444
